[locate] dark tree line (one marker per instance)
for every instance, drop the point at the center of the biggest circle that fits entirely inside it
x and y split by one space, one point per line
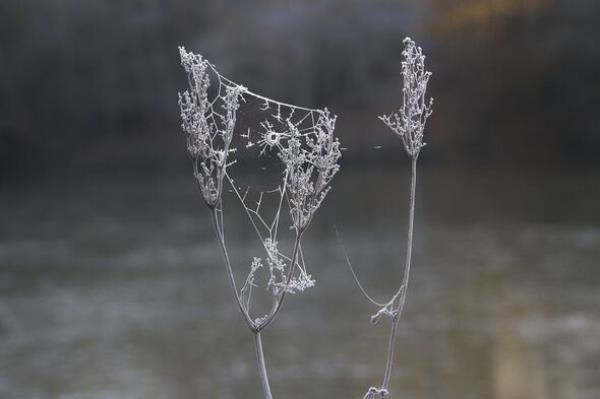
93 84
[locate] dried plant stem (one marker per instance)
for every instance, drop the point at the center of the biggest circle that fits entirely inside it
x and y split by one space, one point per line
404 286
221 239
262 369
255 326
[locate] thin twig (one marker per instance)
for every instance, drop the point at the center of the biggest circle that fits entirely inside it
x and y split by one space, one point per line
398 311
221 240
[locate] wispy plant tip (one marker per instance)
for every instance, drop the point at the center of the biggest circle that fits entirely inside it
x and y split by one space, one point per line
410 119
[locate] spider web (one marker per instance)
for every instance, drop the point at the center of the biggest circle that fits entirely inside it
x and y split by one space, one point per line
265 137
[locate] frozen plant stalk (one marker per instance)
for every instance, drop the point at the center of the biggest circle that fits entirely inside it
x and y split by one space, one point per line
408 123
303 141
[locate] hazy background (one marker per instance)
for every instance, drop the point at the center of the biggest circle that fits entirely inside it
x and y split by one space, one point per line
93 85
111 284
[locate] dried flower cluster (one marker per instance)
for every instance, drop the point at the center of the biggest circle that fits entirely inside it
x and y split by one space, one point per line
409 122
209 131
310 167
278 267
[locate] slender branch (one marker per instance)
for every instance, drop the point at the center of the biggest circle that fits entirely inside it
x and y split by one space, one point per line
221 240
390 352
262 369
402 298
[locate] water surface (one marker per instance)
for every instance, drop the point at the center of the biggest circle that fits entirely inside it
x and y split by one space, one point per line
114 289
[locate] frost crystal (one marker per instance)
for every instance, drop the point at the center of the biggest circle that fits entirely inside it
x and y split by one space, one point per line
409 121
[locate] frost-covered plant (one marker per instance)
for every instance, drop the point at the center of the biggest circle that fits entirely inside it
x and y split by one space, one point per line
310 168
209 131
301 138
408 123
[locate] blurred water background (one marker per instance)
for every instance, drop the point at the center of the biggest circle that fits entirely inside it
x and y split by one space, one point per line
111 283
